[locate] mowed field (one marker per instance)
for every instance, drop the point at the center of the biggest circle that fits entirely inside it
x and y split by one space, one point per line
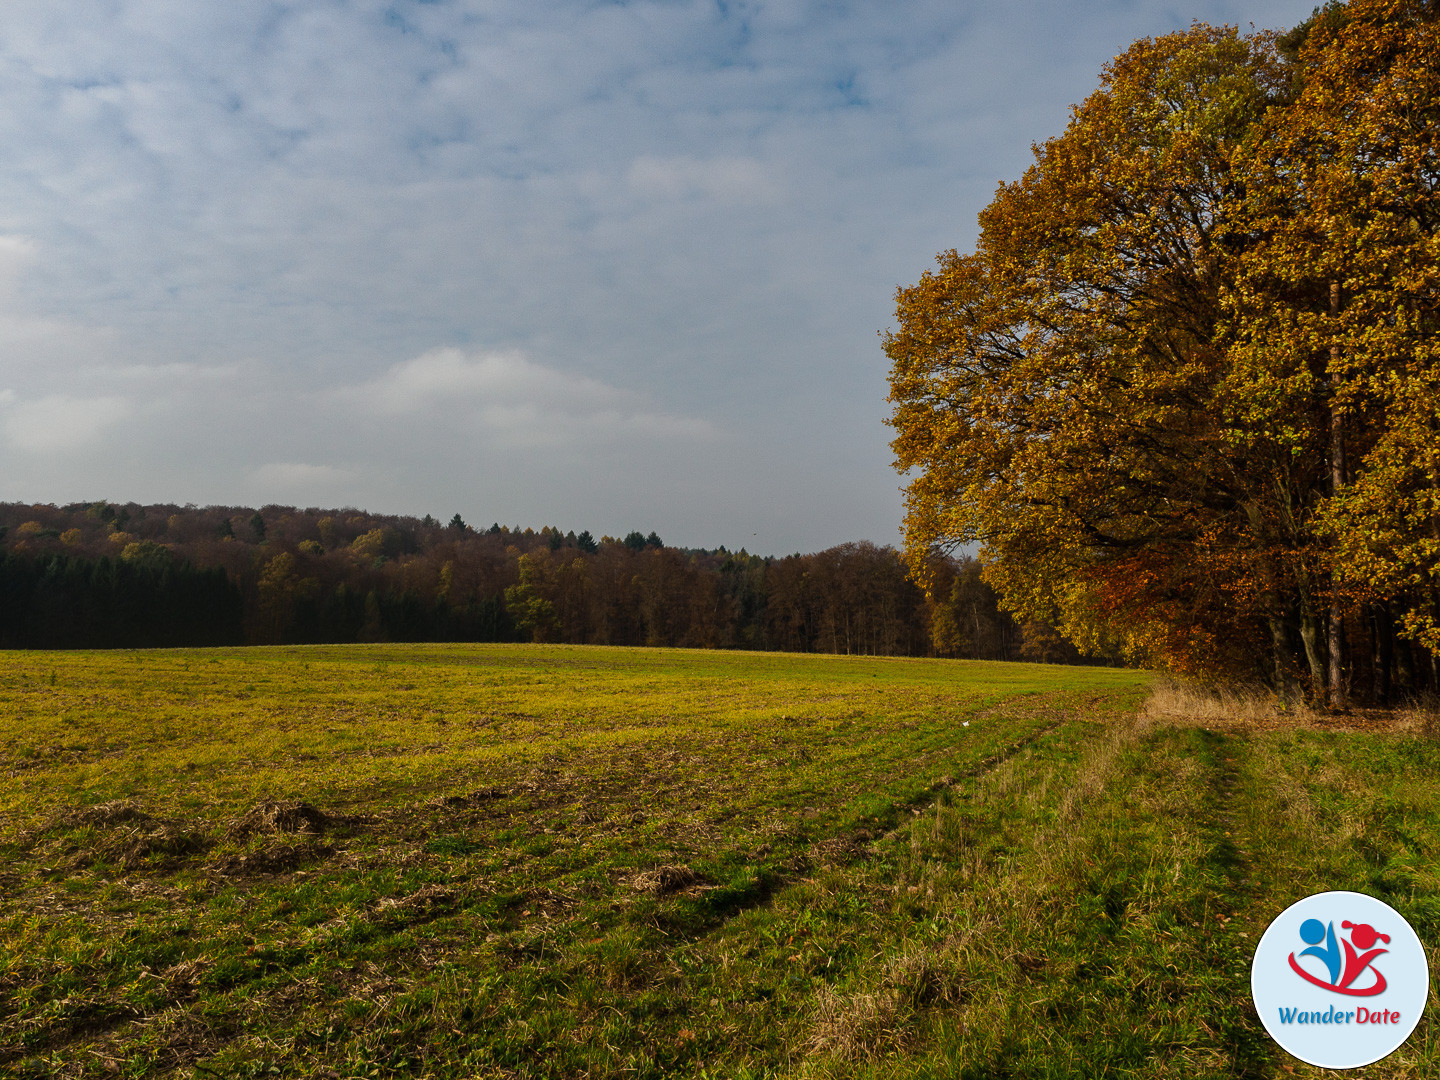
532 861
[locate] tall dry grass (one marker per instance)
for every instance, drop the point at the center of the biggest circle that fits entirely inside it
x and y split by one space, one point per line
1175 700
1421 717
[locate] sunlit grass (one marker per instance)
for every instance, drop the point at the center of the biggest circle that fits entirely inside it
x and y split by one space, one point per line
484 886
457 861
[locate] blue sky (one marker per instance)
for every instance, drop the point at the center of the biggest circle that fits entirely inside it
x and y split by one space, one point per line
598 265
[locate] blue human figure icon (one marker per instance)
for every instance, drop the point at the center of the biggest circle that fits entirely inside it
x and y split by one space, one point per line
1312 932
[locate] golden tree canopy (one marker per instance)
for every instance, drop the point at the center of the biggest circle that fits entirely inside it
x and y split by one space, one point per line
1127 393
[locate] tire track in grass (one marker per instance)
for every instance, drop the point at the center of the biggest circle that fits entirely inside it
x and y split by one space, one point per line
756 889
953 967
1228 901
995 760
1130 969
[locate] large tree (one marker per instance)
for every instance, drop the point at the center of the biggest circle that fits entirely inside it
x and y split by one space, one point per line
1130 393
1335 307
1056 389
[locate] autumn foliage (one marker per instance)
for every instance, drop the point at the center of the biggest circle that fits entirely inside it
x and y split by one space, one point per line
108 575
1184 392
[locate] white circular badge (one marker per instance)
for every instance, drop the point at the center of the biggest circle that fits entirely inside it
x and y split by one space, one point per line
1339 980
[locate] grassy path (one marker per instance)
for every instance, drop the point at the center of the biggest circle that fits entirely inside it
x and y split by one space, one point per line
639 863
1090 908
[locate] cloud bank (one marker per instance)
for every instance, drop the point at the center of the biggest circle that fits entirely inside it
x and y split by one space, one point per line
598 264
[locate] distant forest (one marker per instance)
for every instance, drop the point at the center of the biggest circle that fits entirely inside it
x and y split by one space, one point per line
101 575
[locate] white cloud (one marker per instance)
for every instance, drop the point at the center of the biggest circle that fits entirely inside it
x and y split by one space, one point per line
292 476
517 401
451 375
58 423
15 253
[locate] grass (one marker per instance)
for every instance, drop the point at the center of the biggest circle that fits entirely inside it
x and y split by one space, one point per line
462 861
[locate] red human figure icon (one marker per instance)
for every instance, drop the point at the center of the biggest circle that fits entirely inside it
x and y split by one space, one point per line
1363 935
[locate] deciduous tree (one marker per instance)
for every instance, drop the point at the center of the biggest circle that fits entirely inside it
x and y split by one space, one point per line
1185 391
1056 391
1336 303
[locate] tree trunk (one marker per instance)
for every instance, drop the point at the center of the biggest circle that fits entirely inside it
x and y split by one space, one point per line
1384 629
1281 641
1336 634
1310 635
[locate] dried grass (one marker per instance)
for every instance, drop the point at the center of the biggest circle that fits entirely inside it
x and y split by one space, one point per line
1224 705
273 858
1420 718
840 850
181 981
467 801
924 977
427 900
279 816
166 839
129 836
104 815
665 879
858 1027
872 1025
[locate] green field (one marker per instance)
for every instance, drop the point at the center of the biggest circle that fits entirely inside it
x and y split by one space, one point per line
497 861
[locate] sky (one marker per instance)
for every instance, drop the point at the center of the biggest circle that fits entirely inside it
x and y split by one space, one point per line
599 265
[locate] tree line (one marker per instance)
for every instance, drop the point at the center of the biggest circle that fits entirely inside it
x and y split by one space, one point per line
102 575
1185 393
